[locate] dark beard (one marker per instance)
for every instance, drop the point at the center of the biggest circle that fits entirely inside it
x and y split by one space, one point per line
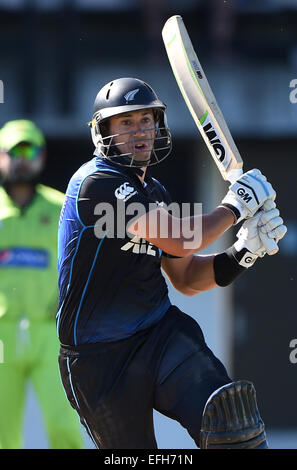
8 184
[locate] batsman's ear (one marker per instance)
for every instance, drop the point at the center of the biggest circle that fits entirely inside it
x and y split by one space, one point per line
4 164
105 128
157 115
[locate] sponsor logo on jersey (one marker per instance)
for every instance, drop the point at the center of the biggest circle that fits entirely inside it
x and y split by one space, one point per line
24 257
140 246
124 192
131 95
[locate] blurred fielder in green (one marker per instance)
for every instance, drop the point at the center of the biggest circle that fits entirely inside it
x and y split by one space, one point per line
29 214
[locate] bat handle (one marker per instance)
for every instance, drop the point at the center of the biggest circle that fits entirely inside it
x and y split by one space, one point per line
269 243
234 174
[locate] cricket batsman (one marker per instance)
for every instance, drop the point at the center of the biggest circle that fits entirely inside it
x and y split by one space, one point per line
125 349
29 214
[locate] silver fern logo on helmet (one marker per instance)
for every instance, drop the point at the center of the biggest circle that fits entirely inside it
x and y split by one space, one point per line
131 95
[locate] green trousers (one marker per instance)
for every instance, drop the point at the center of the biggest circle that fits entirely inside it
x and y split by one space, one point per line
29 352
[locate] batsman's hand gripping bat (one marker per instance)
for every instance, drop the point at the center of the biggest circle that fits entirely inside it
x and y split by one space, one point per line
203 107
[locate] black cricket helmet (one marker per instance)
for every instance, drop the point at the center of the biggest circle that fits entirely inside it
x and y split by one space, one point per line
127 95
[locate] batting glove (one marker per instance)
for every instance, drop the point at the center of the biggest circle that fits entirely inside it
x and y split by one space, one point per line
248 194
249 246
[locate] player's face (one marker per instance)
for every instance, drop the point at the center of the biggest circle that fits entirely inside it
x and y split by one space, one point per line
22 163
134 133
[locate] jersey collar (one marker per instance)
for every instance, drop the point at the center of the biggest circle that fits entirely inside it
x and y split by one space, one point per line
129 171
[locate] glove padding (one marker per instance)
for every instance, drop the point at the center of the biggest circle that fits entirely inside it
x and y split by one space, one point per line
249 245
271 224
248 194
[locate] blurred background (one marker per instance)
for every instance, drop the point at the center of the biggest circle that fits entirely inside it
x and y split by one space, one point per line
54 57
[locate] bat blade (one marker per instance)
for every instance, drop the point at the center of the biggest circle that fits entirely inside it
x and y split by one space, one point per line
200 99
202 104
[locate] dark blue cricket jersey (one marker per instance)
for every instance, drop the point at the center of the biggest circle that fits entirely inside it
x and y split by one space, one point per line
109 288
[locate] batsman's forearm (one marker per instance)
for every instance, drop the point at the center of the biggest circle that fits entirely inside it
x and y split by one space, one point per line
210 226
214 225
182 236
199 275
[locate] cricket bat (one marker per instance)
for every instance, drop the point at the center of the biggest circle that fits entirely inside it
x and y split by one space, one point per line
202 104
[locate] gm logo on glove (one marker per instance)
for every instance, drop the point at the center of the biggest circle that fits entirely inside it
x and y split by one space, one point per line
244 195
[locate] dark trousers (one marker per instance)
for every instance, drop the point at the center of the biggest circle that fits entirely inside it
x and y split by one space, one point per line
115 386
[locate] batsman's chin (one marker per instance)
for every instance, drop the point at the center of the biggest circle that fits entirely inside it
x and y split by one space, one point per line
141 156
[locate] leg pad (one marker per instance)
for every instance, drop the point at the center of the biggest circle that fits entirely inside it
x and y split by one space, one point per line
231 419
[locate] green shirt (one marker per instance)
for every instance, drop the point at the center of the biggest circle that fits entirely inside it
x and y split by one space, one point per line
28 256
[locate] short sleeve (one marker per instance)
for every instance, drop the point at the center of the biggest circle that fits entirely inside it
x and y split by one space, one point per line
112 196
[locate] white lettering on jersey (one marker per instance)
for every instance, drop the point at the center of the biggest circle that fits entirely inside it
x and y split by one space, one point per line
140 246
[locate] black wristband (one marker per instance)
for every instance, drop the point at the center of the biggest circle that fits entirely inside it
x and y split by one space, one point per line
227 267
233 209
